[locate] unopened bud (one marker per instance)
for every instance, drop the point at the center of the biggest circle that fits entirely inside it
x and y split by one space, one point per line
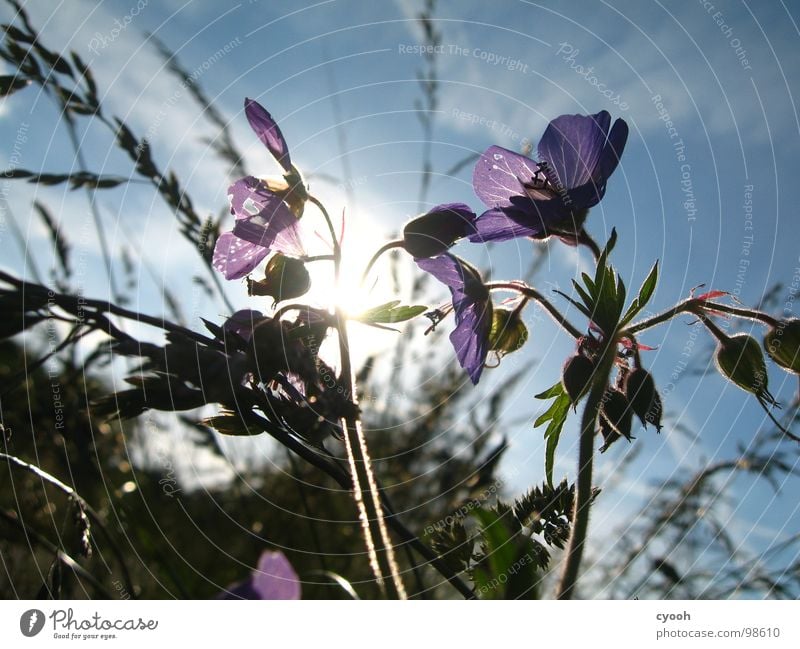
285 278
577 376
640 389
740 360
433 233
266 349
508 332
782 343
617 414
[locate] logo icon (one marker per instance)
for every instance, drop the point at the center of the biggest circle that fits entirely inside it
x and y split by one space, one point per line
31 622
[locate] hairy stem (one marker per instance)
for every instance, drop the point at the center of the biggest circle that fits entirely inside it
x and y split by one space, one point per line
365 490
528 291
583 492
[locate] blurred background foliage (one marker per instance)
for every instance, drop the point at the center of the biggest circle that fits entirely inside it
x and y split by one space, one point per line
115 517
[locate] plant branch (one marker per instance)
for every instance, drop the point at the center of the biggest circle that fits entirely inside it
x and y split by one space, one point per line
583 493
528 291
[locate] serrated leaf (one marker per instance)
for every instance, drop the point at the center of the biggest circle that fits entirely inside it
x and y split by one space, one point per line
390 312
645 293
550 393
588 299
554 417
576 304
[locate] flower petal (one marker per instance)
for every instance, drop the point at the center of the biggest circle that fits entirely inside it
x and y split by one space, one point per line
274 578
234 257
612 152
268 132
470 338
502 224
499 174
249 196
473 310
277 231
572 145
263 218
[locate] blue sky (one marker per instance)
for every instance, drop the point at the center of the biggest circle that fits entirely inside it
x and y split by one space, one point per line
721 72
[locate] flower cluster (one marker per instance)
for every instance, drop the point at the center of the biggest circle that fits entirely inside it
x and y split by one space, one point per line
539 198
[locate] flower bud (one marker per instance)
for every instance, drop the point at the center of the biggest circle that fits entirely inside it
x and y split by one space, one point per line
740 360
285 278
783 344
617 413
640 390
508 332
433 233
266 349
577 376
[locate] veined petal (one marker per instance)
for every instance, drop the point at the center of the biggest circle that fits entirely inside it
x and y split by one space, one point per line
473 310
612 152
499 174
235 257
276 230
250 196
470 338
268 132
502 224
572 146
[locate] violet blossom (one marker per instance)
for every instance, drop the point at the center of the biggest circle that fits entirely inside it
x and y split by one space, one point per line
265 220
576 156
472 306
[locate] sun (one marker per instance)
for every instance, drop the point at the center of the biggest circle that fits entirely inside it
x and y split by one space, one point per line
362 237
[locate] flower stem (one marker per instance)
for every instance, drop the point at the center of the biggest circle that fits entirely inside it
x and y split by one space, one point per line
585 239
398 243
583 493
693 305
531 293
365 490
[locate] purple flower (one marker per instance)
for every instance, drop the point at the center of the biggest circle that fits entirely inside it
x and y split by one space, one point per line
264 223
268 132
243 322
472 306
274 578
577 154
438 229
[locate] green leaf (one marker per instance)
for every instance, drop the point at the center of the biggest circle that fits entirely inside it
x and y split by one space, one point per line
587 298
552 392
645 293
10 84
498 550
576 304
390 312
554 417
